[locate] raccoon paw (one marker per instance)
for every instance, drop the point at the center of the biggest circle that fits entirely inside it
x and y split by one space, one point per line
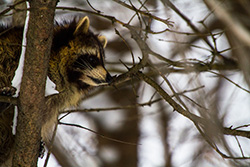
7 91
42 149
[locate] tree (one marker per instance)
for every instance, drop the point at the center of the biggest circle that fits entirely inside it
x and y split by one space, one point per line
176 70
31 103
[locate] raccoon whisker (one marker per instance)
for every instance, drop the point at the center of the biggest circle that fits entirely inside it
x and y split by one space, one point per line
93 74
96 75
80 64
88 65
84 65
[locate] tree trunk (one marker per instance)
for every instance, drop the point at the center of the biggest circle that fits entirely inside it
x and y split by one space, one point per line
128 132
32 92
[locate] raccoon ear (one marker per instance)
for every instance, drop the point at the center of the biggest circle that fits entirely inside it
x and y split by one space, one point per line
103 40
82 26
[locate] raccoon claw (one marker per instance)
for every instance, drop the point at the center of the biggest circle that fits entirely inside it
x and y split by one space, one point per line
7 91
42 149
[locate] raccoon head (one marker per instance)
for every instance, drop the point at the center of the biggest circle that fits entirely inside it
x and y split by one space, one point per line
88 67
81 55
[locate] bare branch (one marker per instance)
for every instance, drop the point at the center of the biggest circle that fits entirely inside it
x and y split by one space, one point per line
235 26
92 131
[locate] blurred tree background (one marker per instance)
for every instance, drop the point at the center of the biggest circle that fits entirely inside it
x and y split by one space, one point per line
180 97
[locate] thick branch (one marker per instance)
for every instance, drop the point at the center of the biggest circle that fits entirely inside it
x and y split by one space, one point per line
234 132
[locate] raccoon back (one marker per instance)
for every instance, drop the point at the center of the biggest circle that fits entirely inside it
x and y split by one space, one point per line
10 50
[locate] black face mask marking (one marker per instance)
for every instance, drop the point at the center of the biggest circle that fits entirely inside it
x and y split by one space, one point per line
87 62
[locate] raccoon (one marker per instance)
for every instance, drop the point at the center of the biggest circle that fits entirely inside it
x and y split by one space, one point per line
76 66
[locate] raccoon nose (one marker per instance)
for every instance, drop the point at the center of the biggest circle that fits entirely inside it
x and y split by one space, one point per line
108 78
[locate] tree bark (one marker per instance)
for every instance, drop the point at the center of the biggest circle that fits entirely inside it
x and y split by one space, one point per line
32 93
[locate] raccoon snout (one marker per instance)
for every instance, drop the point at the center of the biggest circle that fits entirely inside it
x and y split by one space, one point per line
109 78
105 81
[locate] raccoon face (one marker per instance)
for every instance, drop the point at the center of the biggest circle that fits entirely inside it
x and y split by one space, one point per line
88 67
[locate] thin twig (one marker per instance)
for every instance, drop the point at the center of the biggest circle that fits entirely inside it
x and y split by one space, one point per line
165 21
125 42
98 134
92 7
188 21
194 118
50 145
11 7
241 150
223 76
114 108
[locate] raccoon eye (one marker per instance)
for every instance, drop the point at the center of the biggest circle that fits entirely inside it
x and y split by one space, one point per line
93 60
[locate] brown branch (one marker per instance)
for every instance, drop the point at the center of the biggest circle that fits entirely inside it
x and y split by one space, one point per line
239 30
215 147
143 46
114 108
98 134
183 68
11 7
229 80
125 42
187 20
198 121
50 145
165 21
239 145
167 97
149 103
111 18
242 126
234 132
92 7
144 49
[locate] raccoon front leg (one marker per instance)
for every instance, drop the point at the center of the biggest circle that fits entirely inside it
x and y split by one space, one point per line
54 104
50 116
7 71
